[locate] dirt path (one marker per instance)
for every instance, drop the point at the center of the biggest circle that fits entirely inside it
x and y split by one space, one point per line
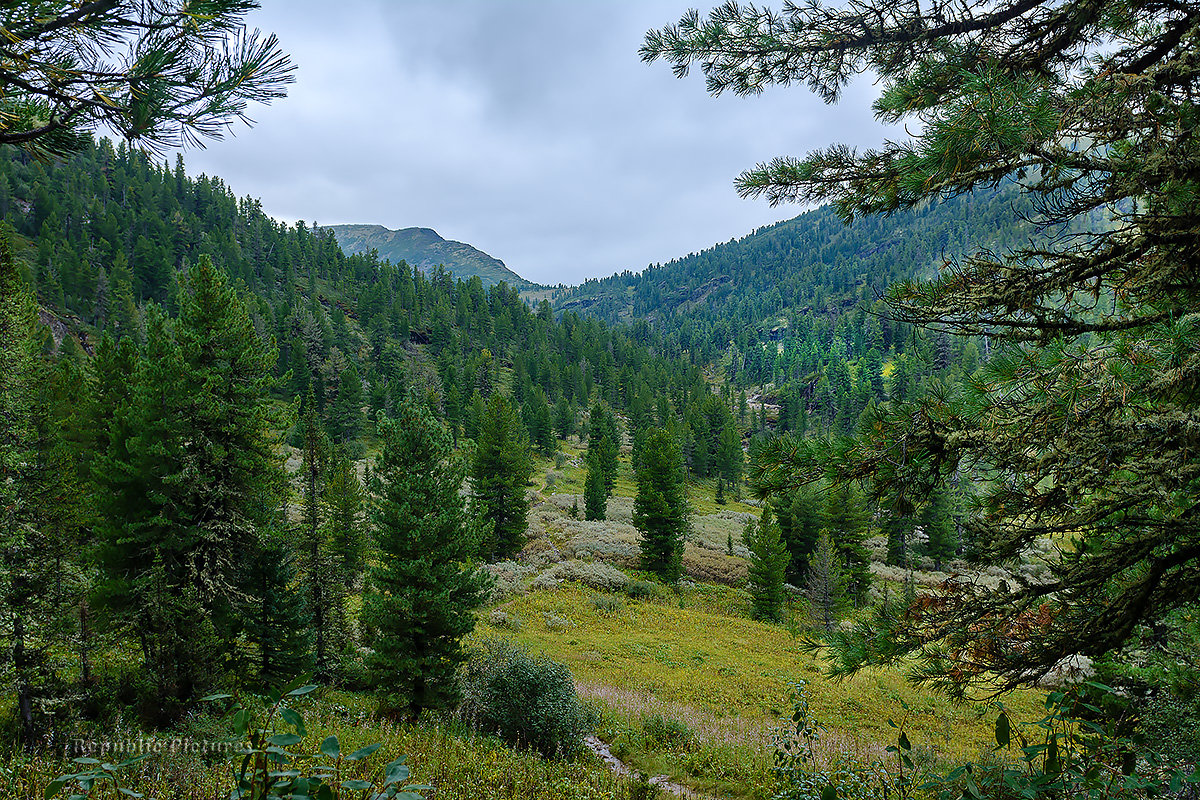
617 767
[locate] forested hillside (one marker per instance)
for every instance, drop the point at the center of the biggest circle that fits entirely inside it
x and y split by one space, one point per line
109 231
814 263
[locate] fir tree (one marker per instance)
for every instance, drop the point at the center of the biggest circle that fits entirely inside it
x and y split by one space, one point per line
276 618
604 444
660 509
191 474
423 590
500 471
825 584
313 548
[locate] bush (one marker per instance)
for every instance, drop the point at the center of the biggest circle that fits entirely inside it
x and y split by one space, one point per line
644 590
666 732
593 574
607 603
526 700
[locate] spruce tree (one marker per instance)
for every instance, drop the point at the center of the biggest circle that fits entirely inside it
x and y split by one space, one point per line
604 444
660 509
423 589
276 618
316 561
500 471
345 539
826 583
768 565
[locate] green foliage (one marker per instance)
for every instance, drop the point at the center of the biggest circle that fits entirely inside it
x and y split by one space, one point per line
660 510
422 590
190 479
768 567
160 74
595 495
1070 427
604 446
801 777
276 617
526 700
826 583
500 470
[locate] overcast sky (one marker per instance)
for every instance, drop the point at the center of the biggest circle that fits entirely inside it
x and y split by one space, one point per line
527 128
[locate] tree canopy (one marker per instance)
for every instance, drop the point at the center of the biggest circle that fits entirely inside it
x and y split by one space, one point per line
1082 424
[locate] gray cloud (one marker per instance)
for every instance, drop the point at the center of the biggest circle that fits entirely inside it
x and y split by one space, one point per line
529 129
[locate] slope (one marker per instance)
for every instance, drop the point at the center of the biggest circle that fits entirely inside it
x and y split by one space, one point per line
424 249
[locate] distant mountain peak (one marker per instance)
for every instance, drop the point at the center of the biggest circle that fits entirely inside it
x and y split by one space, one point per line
425 249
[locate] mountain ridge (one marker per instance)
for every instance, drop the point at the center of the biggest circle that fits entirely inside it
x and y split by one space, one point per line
425 249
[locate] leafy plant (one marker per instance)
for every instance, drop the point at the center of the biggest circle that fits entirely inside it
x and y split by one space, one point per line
268 771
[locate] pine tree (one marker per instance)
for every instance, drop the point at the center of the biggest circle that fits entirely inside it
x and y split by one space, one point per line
315 558
500 471
345 539
276 618
768 565
1073 424
660 509
846 518
604 444
937 520
422 591
191 475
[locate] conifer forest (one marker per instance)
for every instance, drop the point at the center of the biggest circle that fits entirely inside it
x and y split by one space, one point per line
894 499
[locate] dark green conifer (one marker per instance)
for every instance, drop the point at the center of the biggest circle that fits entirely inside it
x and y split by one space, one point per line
500 471
768 566
422 590
660 509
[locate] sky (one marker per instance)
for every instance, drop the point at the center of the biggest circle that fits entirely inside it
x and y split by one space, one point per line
527 128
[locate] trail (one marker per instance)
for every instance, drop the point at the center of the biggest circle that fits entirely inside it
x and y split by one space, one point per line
616 766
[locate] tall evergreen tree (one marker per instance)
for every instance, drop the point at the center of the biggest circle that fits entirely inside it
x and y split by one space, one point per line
422 591
768 566
595 496
826 583
604 444
660 509
500 471
316 559
191 475
276 616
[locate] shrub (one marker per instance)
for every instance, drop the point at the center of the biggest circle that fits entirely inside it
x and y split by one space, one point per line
593 574
607 603
644 590
526 700
666 732
503 619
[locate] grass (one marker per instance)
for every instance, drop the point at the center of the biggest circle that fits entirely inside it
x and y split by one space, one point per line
694 658
459 764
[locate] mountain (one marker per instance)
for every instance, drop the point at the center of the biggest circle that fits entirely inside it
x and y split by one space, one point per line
424 249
